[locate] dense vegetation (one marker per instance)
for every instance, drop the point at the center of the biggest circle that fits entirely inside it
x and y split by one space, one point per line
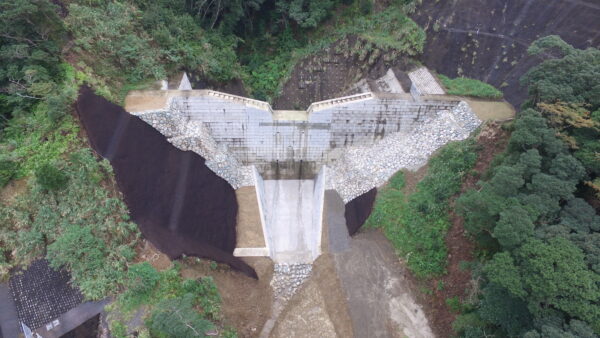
539 240
417 225
463 86
170 305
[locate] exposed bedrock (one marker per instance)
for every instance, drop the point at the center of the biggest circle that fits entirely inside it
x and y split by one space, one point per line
488 40
180 205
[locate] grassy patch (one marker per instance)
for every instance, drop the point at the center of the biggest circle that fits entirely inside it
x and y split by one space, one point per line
68 213
463 86
80 225
417 224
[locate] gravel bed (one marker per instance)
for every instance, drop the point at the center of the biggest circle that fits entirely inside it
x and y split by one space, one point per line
288 278
360 169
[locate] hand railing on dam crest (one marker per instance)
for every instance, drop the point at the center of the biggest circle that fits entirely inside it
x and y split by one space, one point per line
320 105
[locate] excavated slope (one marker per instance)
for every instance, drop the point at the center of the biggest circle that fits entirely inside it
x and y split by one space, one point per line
488 39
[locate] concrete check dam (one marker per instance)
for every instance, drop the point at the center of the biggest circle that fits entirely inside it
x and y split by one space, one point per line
349 144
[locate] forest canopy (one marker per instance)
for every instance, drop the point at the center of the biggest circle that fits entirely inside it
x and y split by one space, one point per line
539 236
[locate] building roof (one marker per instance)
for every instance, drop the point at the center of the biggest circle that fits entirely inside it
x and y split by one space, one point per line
42 294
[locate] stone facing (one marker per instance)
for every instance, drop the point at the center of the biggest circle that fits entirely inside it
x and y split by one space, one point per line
361 168
234 133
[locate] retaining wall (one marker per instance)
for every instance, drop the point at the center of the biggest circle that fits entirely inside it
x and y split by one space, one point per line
293 148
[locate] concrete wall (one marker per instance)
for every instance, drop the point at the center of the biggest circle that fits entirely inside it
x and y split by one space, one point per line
317 210
295 148
259 185
292 217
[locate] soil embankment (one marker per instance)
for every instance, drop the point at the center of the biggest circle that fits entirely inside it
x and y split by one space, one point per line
488 40
179 204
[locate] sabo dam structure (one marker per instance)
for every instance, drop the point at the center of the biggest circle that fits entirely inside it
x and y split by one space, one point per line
350 144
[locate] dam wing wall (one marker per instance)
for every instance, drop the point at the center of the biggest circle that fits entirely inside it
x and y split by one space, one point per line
253 134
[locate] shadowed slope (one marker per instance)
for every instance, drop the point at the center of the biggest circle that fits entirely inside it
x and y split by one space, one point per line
488 40
358 210
180 205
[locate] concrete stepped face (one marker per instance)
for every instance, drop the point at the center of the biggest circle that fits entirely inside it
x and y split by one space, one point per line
388 83
425 83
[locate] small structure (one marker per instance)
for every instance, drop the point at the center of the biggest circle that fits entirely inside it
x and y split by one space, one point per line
47 305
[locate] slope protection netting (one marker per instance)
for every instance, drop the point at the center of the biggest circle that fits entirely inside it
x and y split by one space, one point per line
179 204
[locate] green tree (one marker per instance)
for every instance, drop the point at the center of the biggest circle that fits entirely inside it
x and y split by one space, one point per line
306 13
556 274
111 33
503 271
500 307
31 35
574 329
571 76
514 227
177 318
50 178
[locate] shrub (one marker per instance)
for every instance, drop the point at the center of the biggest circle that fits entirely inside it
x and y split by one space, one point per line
7 171
454 304
176 317
50 178
141 280
177 307
463 86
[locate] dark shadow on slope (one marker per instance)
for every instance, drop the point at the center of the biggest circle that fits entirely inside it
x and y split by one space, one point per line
358 210
179 204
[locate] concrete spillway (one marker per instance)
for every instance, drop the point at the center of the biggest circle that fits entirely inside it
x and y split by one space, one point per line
291 212
289 220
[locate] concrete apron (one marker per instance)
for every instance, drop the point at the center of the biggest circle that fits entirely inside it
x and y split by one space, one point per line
291 215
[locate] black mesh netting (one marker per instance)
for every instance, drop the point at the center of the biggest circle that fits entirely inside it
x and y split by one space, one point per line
179 204
358 210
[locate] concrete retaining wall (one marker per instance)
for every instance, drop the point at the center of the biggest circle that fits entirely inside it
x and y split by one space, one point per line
293 148
317 210
259 185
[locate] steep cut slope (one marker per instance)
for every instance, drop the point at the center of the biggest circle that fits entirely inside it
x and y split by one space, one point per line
488 39
180 205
